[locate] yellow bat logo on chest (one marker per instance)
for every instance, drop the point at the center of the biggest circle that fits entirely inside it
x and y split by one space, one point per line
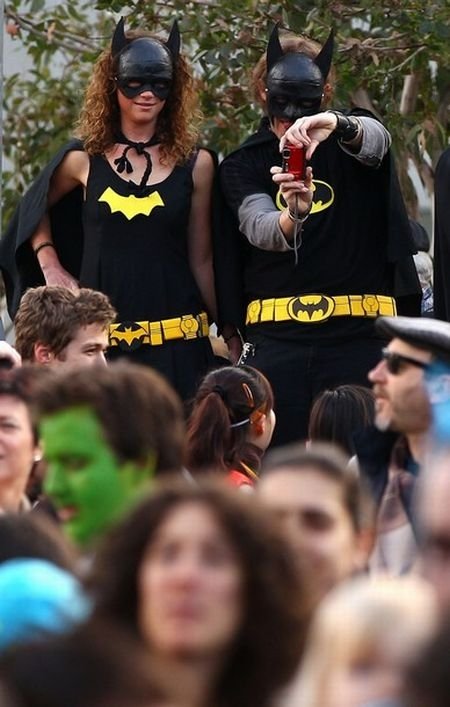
131 206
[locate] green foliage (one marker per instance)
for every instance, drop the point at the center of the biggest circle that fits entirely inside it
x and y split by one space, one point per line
379 45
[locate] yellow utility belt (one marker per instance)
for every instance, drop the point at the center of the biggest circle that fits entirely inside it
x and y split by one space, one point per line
309 309
131 335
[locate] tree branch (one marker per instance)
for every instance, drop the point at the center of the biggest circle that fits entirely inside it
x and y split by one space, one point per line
409 94
58 38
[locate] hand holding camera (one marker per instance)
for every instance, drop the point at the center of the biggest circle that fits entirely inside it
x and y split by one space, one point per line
295 180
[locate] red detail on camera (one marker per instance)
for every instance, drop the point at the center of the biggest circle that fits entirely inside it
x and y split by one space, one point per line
294 161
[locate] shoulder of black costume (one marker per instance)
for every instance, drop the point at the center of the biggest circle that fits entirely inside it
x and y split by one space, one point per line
443 164
72 145
263 136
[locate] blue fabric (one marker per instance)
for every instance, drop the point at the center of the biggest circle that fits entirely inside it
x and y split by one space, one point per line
37 598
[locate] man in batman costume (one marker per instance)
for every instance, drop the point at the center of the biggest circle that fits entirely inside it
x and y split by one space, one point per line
316 260
126 210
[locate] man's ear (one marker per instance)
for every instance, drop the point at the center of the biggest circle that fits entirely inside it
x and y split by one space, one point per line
42 354
327 94
136 474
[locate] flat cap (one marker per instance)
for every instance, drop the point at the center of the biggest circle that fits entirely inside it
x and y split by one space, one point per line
429 334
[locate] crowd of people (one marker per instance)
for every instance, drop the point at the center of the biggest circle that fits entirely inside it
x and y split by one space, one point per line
254 517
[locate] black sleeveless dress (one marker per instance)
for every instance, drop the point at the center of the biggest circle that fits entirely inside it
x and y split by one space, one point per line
136 252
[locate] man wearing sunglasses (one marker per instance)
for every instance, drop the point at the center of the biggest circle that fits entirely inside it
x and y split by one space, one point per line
390 455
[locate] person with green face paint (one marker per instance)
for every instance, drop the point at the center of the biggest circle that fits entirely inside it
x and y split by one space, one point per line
104 437
85 479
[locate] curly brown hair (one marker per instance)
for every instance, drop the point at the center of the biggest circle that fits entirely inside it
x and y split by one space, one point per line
99 120
267 648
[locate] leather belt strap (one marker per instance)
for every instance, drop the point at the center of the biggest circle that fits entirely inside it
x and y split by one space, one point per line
314 308
130 335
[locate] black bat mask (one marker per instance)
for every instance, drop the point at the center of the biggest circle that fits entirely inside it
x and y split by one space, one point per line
144 65
294 87
295 82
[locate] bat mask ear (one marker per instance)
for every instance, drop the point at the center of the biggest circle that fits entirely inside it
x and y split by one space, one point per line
174 42
119 40
274 50
325 56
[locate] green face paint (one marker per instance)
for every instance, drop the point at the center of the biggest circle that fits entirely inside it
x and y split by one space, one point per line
88 486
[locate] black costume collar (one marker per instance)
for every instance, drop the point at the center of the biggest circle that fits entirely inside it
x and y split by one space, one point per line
123 163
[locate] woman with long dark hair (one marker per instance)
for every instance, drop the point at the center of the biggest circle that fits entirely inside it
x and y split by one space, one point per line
200 575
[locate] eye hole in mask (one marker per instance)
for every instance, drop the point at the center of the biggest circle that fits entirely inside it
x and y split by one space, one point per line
307 104
281 102
158 85
133 83
133 86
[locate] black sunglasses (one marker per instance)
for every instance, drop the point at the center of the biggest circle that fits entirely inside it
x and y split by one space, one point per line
395 361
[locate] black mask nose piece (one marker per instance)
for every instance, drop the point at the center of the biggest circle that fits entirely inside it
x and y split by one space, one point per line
144 65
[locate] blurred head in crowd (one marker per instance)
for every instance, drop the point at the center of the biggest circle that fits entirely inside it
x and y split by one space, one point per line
231 421
94 666
37 598
338 414
204 580
34 535
433 498
428 678
321 508
55 325
19 448
363 637
104 436
9 357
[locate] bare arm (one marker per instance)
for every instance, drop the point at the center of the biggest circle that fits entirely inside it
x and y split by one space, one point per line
199 233
72 172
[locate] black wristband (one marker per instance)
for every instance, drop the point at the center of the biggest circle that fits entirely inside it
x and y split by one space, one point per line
46 244
347 128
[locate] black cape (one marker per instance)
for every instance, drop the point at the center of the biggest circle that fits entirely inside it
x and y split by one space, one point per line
442 238
18 263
